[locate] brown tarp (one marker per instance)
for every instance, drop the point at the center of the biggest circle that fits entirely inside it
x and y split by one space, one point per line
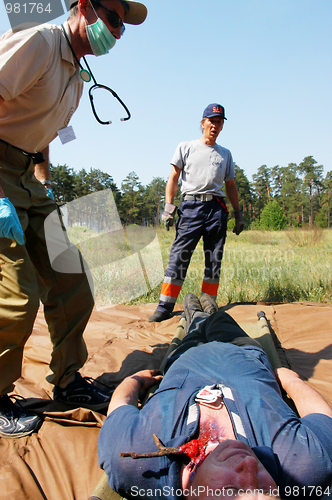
60 461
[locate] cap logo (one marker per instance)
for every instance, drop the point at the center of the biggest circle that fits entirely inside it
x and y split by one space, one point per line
214 109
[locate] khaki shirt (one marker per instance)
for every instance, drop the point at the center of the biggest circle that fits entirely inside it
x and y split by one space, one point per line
40 85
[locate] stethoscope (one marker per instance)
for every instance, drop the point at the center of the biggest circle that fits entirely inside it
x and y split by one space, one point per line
86 75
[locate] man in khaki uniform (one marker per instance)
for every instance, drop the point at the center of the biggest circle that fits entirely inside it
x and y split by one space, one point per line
40 88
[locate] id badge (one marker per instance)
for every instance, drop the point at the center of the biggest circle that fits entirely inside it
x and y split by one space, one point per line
66 134
208 394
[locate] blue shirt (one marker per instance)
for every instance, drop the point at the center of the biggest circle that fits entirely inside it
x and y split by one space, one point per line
296 451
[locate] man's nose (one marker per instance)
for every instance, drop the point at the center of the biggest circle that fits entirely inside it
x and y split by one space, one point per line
116 32
247 471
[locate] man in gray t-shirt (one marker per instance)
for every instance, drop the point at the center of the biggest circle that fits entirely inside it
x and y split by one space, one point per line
205 167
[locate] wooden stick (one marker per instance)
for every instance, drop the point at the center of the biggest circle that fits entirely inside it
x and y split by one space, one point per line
162 451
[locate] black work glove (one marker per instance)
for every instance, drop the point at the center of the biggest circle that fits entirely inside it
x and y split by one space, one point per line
239 222
169 215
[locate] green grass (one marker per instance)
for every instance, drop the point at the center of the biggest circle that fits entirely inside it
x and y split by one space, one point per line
124 264
258 266
262 266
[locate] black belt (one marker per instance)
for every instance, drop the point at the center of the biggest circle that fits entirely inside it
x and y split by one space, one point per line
35 157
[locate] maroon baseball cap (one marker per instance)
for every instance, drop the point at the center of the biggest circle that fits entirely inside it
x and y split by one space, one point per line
214 109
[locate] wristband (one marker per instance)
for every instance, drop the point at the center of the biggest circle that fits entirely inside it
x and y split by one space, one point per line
238 215
44 183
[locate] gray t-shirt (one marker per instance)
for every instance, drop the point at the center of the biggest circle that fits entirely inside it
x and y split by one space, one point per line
204 168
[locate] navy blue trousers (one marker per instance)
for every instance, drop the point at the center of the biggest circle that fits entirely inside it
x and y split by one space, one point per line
220 327
196 219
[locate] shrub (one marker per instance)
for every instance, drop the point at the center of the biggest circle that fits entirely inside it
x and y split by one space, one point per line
230 224
272 217
255 225
321 219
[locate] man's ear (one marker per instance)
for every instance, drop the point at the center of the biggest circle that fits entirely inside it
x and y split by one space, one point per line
84 6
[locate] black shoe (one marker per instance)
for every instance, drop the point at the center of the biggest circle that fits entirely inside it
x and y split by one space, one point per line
191 304
82 392
15 421
158 316
209 305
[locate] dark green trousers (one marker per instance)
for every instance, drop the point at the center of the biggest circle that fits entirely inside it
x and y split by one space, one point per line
27 277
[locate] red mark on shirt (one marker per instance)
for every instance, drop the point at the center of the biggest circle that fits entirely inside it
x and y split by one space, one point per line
195 449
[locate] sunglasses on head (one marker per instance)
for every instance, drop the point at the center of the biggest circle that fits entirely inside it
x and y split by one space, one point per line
113 17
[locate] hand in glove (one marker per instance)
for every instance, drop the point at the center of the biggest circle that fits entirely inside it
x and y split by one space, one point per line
168 215
50 193
239 222
10 226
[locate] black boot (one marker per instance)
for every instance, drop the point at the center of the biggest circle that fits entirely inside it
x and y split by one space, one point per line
158 316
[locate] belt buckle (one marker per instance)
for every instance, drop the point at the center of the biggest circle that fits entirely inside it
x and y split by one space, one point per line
207 197
35 157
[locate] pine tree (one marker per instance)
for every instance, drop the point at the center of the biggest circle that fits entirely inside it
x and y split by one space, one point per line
312 182
244 191
154 200
62 178
262 188
132 200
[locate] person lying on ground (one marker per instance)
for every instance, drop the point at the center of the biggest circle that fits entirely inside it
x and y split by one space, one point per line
220 414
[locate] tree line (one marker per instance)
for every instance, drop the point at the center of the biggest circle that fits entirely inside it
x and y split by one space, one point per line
293 196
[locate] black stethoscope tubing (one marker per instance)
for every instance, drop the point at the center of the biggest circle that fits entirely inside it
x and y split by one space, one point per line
96 85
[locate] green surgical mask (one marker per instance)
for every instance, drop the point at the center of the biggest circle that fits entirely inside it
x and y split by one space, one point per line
100 38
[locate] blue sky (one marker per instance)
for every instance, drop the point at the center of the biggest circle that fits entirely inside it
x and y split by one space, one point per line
267 61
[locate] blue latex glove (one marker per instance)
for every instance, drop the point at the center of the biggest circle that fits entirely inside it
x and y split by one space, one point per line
50 193
10 226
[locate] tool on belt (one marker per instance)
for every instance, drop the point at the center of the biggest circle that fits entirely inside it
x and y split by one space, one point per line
222 203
